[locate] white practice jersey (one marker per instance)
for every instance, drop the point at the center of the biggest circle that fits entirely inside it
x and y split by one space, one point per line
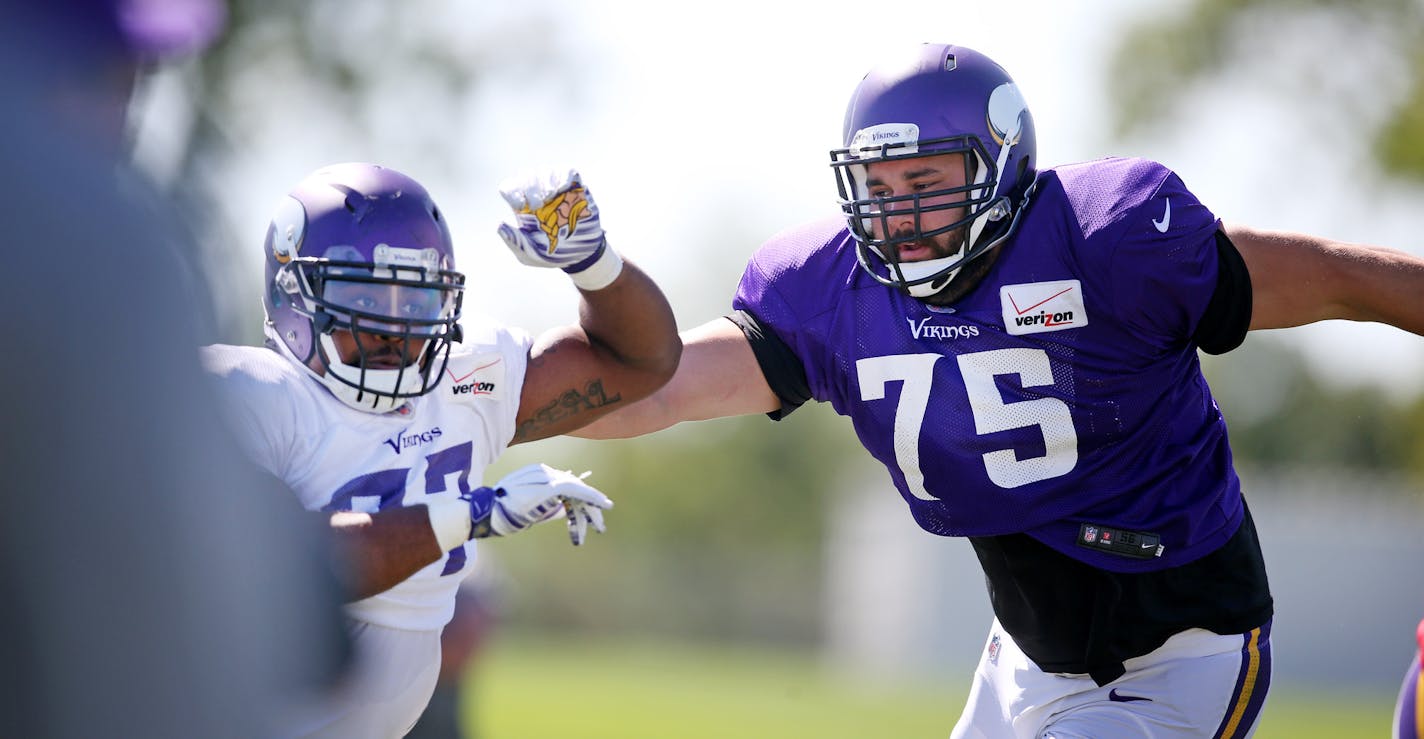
337 458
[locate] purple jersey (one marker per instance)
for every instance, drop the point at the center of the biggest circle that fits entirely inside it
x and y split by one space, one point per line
1060 398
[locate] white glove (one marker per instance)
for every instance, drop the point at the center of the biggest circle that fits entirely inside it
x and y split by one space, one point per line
532 494
556 225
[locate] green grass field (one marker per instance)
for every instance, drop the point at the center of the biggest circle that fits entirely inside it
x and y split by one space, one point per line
567 690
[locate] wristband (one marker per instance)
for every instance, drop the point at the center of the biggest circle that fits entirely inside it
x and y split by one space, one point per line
601 273
450 520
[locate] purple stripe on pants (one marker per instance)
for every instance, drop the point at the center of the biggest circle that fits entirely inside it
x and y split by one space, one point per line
1252 683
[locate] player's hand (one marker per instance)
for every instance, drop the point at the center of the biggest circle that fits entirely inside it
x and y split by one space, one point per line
556 221
536 493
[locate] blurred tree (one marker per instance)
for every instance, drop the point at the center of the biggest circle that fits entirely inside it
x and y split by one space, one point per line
1282 415
398 80
1348 65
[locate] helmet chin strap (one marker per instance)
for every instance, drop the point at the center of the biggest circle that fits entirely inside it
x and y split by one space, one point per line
912 271
373 393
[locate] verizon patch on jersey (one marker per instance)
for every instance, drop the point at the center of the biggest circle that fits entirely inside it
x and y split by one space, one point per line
466 383
1124 543
1036 307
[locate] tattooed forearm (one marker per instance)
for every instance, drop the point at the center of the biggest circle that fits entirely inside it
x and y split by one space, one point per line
569 403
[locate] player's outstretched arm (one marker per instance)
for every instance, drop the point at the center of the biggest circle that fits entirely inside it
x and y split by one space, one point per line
1298 279
718 376
625 344
382 549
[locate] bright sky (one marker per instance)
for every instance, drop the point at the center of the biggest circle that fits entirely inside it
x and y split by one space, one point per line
702 131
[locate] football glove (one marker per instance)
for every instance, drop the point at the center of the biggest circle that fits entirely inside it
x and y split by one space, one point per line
532 494
556 225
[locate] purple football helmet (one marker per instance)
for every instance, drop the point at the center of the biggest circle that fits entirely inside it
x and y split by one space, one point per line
363 248
941 99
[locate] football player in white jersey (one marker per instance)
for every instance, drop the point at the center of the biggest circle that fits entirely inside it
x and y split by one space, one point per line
375 402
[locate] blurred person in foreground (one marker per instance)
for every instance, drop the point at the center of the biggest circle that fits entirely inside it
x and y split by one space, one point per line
378 399
1018 346
155 585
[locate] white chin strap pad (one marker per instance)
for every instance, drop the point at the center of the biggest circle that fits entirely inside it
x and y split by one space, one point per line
912 271
382 381
926 289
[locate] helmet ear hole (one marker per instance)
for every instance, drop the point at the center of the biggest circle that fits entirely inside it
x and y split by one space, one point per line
1024 172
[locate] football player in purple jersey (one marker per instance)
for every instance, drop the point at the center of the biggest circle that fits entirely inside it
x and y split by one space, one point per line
1018 346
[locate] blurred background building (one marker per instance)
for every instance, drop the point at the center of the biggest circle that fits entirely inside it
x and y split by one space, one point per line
1342 552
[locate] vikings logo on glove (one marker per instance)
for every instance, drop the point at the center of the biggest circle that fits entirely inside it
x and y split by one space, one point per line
560 213
556 225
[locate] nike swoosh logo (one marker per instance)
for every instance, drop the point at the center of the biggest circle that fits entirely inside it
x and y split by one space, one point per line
1166 219
1113 696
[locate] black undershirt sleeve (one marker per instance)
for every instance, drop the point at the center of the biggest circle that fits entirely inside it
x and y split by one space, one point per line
782 368
1228 316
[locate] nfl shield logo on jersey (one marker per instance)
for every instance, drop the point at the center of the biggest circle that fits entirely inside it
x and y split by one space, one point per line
994 646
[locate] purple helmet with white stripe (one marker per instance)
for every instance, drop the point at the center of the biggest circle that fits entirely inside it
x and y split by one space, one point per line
938 99
362 248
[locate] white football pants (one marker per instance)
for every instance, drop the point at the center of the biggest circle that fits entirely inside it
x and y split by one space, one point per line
387 687
1198 685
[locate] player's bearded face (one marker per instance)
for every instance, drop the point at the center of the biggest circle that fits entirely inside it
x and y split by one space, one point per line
894 178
